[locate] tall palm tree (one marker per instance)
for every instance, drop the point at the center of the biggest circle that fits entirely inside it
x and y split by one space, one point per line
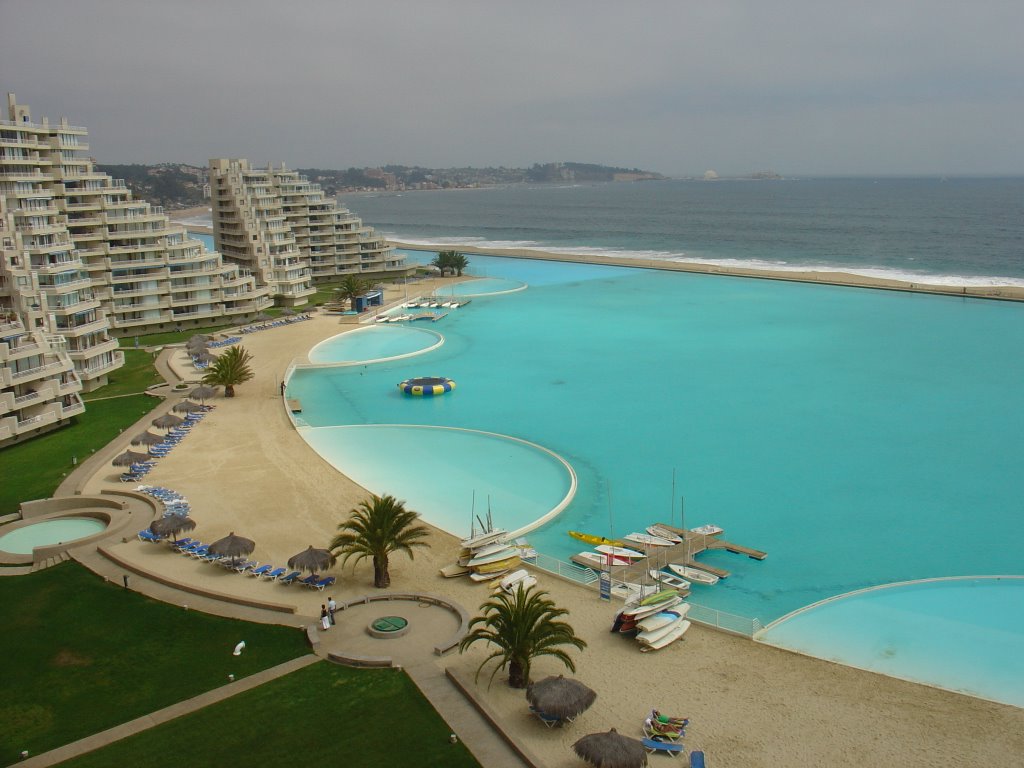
523 626
453 260
351 288
379 526
229 370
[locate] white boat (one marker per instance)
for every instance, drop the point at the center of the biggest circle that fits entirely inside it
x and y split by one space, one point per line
486 576
597 560
513 581
643 611
708 530
677 632
467 555
693 574
633 593
480 539
502 553
608 549
668 579
662 618
665 533
648 540
654 635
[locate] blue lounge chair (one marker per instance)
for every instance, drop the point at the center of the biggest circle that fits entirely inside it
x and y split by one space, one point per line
199 552
322 583
275 574
290 577
247 565
147 535
670 748
697 759
262 570
549 720
309 581
180 543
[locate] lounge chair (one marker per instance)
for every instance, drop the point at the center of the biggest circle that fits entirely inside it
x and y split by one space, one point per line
309 581
670 748
262 570
324 582
289 578
147 535
549 720
275 574
199 552
697 759
247 565
181 543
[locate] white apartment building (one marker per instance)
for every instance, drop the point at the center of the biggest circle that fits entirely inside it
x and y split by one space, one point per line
285 230
85 262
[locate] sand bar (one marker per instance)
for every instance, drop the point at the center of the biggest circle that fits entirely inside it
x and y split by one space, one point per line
246 469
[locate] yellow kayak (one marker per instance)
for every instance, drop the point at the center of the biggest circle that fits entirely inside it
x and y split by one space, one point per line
595 540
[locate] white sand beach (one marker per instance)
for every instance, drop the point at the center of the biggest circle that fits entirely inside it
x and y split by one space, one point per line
245 469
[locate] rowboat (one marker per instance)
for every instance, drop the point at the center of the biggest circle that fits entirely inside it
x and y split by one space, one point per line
600 561
468 556
668 579
639 612
473 542
665 533
486 576
647 539
593 540
693 574
708 530
498 554
610 549
451 571
659 597
647 637
498 566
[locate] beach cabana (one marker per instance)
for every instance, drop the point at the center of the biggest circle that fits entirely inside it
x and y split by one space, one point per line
611 750
172 525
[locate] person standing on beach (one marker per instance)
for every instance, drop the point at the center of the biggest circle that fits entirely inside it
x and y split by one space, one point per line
325 621
331 608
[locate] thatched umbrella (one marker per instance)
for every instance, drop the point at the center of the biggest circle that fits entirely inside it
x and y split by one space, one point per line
560 697
202 393
312 560
263 317
287 311
611 750
147 438
232 546
172 525
167 421
187 406
128 458
196 344
199 337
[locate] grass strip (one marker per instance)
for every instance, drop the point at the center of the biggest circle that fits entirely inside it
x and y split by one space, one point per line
323 713
83 655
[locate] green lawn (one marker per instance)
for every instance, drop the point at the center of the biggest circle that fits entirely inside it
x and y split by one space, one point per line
174 337
132 378
33 469
82 655
320 715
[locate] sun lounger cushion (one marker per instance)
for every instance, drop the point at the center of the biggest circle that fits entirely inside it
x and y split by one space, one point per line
697 759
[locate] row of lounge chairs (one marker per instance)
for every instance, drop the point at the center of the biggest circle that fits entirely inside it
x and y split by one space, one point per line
173 502
224 342
198 550
274 324
136 472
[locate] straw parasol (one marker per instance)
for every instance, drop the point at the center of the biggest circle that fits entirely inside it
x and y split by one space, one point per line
263 317
199 337
312 560
287 311
196 344
147 438
560 697
187 406
128 458
202 393
611 750
172 525
232 546
167 421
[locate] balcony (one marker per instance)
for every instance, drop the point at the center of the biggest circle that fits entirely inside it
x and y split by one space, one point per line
39 372
102 366
20 349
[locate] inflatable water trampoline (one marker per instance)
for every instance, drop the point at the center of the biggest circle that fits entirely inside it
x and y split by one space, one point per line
427 386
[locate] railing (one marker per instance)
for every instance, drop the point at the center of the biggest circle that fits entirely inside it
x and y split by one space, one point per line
33 371
566 570
31 420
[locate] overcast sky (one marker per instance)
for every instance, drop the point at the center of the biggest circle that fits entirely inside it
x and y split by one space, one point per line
802 88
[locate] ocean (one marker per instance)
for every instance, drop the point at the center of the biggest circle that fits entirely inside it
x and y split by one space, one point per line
960 231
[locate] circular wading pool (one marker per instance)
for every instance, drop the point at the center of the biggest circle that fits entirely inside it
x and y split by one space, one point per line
388 626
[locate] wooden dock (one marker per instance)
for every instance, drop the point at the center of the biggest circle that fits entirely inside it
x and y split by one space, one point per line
683 554
294 405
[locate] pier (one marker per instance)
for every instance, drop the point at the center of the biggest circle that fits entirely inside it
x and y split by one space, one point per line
681 554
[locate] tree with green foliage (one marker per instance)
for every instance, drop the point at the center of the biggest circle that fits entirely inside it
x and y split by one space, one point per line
379 526
229 370
351 288
451 260
523 626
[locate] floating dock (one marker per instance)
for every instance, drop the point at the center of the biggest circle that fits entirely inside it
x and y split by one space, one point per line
683 554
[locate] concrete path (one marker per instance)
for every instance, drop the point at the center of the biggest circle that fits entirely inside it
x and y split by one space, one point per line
139 724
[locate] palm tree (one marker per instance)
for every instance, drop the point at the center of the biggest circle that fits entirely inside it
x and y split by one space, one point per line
523 626
379 526
351 288
453 260
229 369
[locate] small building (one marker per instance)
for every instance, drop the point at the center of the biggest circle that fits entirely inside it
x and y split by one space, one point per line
374 298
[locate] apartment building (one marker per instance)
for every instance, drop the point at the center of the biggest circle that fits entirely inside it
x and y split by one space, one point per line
96 263
283 228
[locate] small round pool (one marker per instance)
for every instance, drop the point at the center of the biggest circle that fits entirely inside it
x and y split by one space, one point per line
62 530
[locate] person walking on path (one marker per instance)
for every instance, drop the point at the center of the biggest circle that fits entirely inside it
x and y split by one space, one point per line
331 608
325 620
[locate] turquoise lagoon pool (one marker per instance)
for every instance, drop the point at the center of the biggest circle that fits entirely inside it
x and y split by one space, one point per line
22 541
860 437
375 342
